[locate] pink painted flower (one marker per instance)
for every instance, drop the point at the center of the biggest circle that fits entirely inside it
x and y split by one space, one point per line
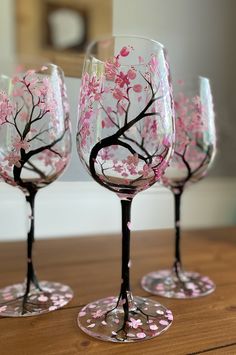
3 308
132 169
124 174
134 323
153 327
13 158
141 335
111 66
122 79
19 144
82 314
52 308
18 91
44 67
120 109
107 123
60 165
133 159
118 168
15 80
169 316
98 314
140 60
6 108
137 88
105 154
163 322
124 52
146 170
131 74
47 157
118 94
92 325
42 298
166 141
93 85
23 116
153 63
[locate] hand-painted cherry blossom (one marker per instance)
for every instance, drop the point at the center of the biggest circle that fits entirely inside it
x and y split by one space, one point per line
3 308
134 323
98 314
125 140
141 335
124 52
43 298
131 74
137 88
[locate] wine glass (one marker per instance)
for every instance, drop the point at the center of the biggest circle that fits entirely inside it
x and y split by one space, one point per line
35 147
125 139
194 152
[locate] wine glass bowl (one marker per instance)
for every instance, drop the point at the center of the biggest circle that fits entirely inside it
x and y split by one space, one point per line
194 153
125 140
35 147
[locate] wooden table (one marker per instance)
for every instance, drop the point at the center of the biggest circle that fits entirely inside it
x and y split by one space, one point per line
91 265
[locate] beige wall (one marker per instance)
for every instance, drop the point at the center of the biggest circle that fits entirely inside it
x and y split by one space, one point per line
7 30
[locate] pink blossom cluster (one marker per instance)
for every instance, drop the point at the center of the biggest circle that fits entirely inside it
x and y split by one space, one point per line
50 159
190 127
6 107
34 88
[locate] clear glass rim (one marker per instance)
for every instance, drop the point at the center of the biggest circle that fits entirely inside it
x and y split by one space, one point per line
106 38
49 65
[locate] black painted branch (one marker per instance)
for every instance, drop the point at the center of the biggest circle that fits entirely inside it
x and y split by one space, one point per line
31 277
125 274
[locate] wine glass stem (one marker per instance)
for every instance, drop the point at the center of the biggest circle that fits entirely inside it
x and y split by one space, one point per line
31 277
177 262
125 293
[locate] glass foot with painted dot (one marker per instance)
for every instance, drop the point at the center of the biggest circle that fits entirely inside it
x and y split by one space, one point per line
50 296
105 319
165 283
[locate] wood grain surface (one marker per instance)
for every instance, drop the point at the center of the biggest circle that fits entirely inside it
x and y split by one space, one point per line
91 266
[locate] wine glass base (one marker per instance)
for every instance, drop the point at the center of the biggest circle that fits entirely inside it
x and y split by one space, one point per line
104 320
165 283
51 296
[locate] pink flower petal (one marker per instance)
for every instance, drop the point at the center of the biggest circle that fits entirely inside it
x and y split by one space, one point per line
91 325
44 68
141 335
82 314
137 88
52 308
153 327
129 226
43 298
124 52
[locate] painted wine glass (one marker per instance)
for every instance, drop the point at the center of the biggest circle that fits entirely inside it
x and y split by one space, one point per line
194 152
35 147
125 139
